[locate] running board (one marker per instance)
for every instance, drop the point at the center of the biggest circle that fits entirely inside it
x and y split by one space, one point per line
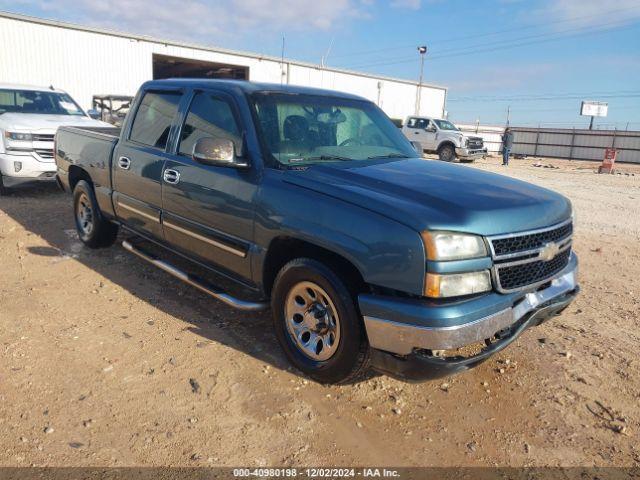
185 277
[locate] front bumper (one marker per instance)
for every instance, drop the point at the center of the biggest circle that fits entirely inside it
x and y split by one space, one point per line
30 168
409 330
468 154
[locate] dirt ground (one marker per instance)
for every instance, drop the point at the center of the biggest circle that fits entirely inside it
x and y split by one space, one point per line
106 361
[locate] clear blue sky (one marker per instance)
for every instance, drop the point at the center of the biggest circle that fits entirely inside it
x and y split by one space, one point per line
540 57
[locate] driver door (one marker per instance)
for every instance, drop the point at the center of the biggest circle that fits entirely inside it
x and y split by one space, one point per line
422 130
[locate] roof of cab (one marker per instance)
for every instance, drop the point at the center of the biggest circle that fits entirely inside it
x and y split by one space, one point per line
34 88
248 87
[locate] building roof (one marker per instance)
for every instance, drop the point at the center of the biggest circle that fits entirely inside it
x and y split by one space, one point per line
101 31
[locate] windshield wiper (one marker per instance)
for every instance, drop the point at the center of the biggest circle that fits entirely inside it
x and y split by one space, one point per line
330 157
389 155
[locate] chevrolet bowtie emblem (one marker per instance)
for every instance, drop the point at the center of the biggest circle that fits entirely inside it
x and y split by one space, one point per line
549 251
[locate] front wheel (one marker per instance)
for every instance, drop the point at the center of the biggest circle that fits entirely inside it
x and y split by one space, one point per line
317 323
447 153
3 189
94 230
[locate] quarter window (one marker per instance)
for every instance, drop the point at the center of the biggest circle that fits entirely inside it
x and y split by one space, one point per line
209 116
153 119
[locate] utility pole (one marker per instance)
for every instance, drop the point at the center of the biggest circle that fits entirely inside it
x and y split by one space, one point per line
508 114
282 72
422 50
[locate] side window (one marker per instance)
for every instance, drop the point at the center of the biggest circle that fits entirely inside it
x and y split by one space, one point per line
420 123
209 116
153 119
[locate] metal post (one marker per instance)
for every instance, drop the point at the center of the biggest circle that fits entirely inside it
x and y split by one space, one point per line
422 51
535 150
282 72
573 136
508 114
591 123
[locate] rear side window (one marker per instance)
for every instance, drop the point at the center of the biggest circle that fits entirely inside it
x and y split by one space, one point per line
417 123
209 116
153 119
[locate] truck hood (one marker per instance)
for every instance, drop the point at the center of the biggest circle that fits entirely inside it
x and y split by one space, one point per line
433 195
33 122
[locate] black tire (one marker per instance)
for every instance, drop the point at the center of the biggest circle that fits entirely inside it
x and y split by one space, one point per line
351 356
3 190
94 230
447 153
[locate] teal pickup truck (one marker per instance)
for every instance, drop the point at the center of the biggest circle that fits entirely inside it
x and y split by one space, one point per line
312 203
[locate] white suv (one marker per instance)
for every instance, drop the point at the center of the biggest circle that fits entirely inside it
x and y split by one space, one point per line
29 118
444 138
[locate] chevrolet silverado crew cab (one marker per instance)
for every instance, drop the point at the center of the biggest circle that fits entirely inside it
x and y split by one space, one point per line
444 138
313 204
29 118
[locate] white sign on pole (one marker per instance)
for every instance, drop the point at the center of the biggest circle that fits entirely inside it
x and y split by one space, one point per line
594 109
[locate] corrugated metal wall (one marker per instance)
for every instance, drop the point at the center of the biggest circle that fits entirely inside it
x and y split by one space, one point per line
577 144
85 62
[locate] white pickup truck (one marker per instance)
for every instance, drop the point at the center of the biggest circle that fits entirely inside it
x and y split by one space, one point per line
29 119
444 138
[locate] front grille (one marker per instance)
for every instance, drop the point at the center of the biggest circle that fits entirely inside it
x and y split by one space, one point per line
475 143
44 152
522 243
522 260
42 137
518 276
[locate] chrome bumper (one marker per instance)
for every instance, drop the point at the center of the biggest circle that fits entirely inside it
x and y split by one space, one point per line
466 153
402 338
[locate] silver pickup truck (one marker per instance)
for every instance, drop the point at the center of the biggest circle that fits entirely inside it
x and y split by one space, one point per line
444 138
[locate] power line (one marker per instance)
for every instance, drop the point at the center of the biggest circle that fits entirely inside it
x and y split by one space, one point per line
487 34
513 43
510 45
575 96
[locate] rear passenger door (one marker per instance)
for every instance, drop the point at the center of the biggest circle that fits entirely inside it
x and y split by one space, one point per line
208 210
139 159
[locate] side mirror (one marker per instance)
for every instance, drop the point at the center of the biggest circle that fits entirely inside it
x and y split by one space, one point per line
218 152
431 128
93 113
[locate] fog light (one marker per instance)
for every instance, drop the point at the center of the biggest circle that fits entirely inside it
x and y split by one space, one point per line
17 166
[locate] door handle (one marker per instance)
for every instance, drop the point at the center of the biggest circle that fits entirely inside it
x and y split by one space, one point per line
416 133
124 163
171 176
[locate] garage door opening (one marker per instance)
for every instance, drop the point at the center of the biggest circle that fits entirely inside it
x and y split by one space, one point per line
177 67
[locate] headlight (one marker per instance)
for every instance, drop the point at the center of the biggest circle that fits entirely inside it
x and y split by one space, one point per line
453 246
24 137
457 284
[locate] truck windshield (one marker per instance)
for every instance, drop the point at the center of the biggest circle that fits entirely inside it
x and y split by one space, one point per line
39 102
309 129
446 125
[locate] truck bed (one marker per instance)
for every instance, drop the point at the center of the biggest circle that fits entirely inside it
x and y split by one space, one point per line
96 132
91 149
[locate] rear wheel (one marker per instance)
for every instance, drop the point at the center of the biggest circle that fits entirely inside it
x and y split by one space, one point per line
94 230
447 153
317 323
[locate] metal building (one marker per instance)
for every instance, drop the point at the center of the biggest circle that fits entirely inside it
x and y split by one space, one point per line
88 61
